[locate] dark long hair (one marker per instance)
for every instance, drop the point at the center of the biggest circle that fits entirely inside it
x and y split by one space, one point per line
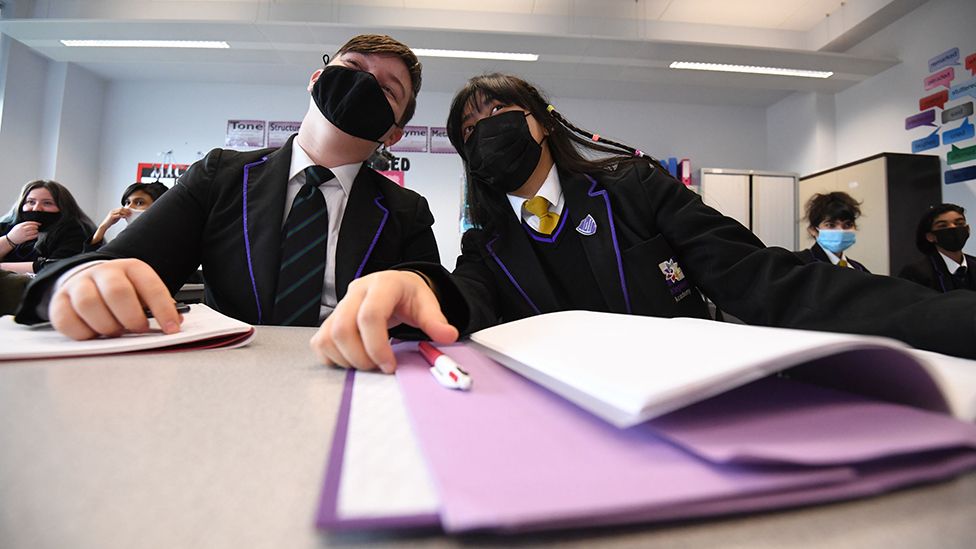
71 212
574 150
925 225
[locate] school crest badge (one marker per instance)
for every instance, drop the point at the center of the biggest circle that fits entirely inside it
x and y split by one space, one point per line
674 277
672 271
587 227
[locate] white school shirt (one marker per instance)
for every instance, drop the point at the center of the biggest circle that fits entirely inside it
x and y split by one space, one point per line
336 193
551 190
951 264
835 259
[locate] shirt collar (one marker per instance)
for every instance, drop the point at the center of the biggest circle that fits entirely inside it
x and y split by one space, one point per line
551 190
951 264
346 174
834 258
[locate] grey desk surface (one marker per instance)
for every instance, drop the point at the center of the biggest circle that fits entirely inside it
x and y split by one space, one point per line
227 449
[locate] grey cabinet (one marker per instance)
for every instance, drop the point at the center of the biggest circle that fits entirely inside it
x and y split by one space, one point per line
764 202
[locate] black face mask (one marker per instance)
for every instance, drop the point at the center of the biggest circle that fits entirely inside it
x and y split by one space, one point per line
501 151
354 102
46 219
953 238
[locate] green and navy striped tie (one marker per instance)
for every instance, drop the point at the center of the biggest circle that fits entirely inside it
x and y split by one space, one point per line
304 240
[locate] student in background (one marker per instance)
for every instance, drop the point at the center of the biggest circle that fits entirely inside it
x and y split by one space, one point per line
833 225
280 233
136 198
44 225
942 232
557 229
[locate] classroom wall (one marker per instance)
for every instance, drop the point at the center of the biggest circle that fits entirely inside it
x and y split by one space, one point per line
144 119
801 133
869 118
20 132
888 98
141 119
78 145
51 126
711 136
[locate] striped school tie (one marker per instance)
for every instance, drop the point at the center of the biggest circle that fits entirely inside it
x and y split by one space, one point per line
303 245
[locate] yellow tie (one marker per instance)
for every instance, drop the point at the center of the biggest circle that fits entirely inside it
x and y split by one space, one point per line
842 263
539 207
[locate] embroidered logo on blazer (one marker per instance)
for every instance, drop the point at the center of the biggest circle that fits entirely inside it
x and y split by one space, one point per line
675 279
587 227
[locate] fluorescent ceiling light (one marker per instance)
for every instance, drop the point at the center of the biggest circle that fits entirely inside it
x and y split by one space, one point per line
462 54
210 44
776 71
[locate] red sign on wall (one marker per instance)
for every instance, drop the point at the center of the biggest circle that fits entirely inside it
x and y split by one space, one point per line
165 173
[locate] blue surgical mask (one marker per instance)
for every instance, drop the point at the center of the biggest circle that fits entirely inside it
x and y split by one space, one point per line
836 240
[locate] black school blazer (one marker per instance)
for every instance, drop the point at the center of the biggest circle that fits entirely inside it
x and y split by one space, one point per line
931 271
226 213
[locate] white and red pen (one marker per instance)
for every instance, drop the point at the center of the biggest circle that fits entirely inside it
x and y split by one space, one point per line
445 370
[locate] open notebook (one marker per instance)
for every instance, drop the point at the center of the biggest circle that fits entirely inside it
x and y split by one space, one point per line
202 328
627 369
510 455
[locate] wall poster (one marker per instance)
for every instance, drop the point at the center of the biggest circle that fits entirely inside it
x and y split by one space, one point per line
946 114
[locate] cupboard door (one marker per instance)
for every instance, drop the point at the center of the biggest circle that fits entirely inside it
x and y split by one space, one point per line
727 193
773 210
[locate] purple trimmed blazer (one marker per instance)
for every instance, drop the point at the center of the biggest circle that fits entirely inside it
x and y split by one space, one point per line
647 224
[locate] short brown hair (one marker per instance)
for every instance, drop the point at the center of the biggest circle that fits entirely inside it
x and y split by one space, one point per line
833 206
383 44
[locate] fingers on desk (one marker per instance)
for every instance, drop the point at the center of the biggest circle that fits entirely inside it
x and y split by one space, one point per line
338 341
355 334
425 313
66 320
108 300
154 295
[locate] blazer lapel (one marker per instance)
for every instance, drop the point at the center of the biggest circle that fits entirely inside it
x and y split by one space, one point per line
513 254
819 254
592 216
264 186
363 222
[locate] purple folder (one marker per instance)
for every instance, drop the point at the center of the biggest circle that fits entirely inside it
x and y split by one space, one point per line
511 456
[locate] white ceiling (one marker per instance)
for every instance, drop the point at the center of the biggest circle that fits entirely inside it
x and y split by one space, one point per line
612 49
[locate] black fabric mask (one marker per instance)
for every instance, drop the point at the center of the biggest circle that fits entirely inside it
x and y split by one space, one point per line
953 238
501 151
354 102
46 219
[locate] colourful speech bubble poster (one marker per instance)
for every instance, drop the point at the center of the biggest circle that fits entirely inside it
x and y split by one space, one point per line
945 97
